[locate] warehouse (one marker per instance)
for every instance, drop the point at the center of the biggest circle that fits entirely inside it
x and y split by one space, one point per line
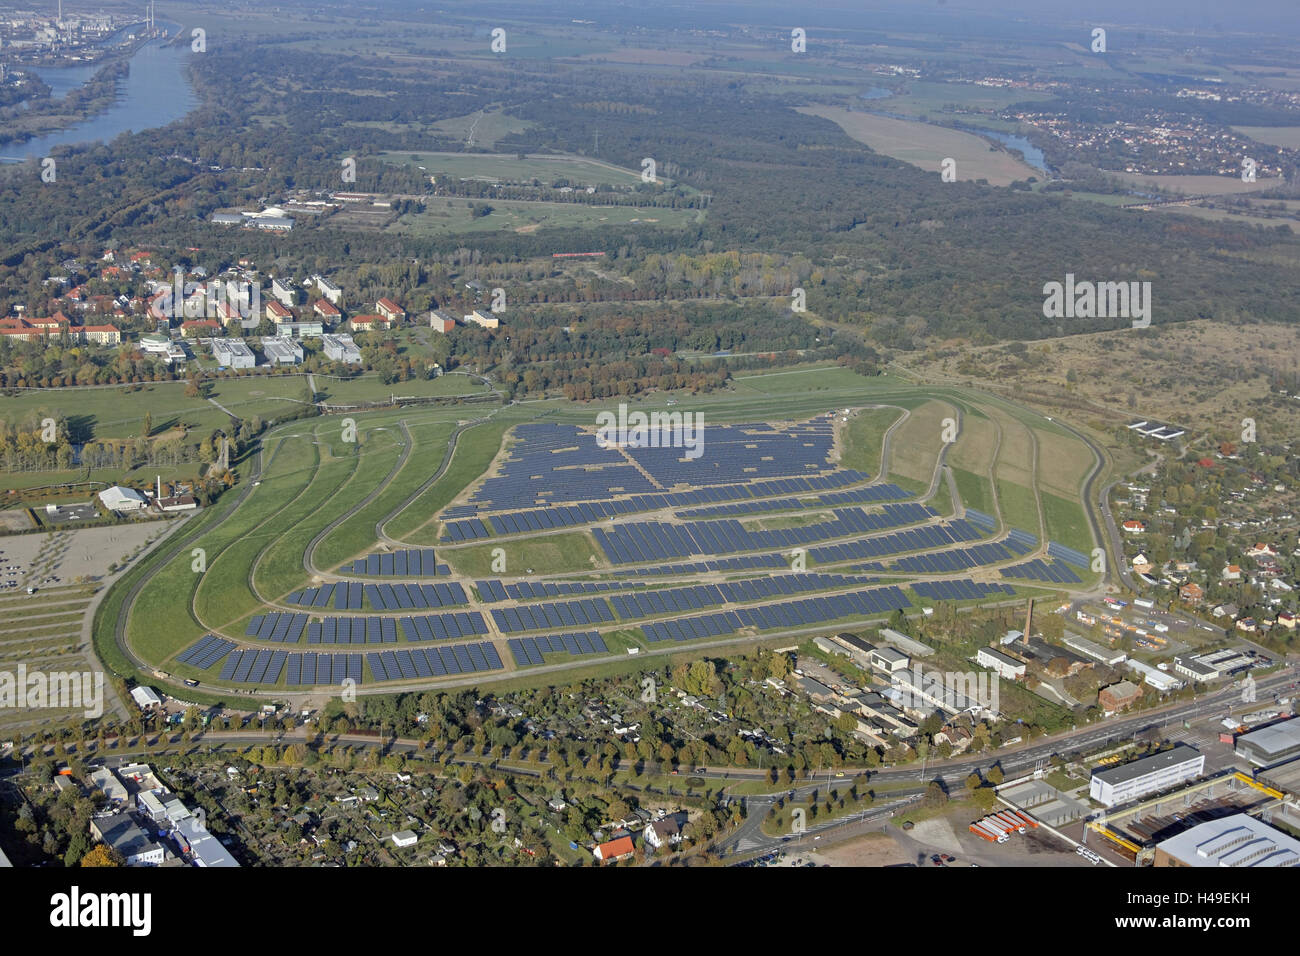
1271 745
1098 653
122 499
1115 785
1005 666
1236 841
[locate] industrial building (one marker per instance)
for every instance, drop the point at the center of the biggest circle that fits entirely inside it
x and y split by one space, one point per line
122 500
1003 664
889 661
1212 666
1098 653
341 348
232 353
905 643
1154 676
122 834
1271 745
1238 840
1116 785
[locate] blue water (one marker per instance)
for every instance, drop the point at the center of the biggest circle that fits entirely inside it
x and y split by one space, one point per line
156 92
1033 155
876 93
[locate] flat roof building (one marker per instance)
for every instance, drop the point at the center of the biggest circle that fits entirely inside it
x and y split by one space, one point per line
1271 745
1004 665
281 350
341 348
1238 840
1095 651
1160 771
405 838
120 833
233 353
905 643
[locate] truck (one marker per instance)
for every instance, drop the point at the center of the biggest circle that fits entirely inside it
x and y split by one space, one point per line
1011 820
1144 603
990 833
1021 815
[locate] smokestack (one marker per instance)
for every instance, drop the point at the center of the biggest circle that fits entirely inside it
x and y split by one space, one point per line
160 487
1029 619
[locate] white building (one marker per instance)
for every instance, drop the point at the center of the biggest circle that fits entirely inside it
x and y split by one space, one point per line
120 832
284 292
122 499
479 318
1130 781
341 348
329 290
281 351
1155 677
1238 840
404 838
145 697
1004 665
233 353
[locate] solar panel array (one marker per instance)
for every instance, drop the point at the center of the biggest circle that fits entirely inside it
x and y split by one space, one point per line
206 651
963 590
648 543
1057 550
381 597
750 562
253 666
791 615
868 495
526 590
423 662
697 597
310 669
352 630
734 453
1021 539
441 627
986 523
411 563
280 627
941 562
528 651
900 542
560 614
1057 572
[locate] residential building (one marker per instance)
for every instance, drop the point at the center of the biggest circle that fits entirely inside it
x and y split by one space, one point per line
277 312
341 348
367 323
390 310
1192 593
485 320
1160 771
102 334
1133 526
613 850
405 838
441 321
326 310
665 832
329 290
284 292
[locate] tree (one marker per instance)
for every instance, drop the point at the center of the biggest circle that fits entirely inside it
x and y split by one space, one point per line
101 854
147 429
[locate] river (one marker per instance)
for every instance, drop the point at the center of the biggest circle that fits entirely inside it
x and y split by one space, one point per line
155 93
1033 155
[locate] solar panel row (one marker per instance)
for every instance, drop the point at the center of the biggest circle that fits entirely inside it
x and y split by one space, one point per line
310 669
422 662
791 615
1069 555
961 590
750 562
490 591
899 542
410 563
528 651
871 493
557 615
403 597
1057 572
206 651
649 543
253 666
441 627
279 627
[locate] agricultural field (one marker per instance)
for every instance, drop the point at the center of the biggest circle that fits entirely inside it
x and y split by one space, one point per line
926 146
453 216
